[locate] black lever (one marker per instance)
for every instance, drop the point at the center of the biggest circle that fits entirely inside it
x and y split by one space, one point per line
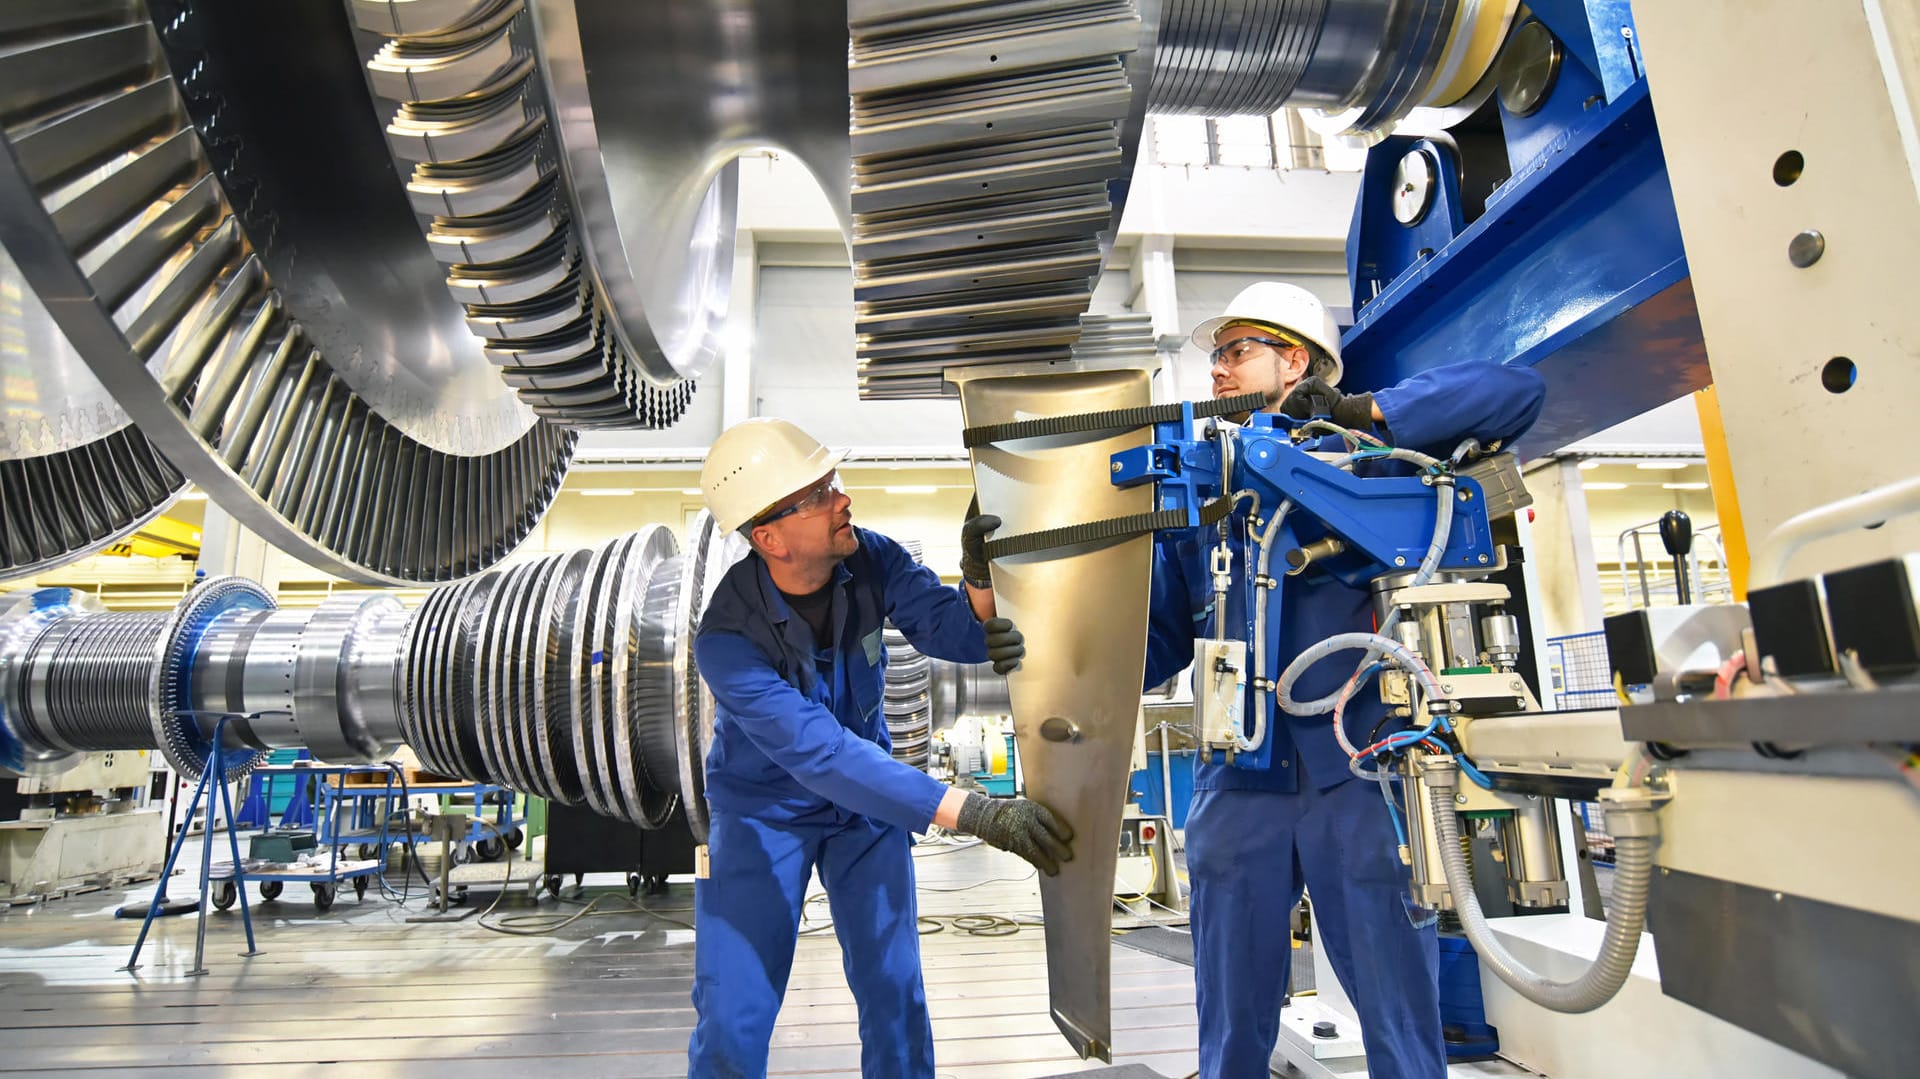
1676 534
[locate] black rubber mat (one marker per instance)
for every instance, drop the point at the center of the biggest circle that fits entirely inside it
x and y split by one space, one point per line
1177 945
1174 944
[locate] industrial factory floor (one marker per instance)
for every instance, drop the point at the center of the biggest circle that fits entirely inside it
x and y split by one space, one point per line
604 996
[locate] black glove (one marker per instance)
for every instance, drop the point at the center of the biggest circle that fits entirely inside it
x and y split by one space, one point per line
973 545
1019 826
1312 397
1005 644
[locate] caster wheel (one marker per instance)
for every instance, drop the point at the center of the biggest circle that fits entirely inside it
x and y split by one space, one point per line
367 852
360 887
515 838
271 889
633 884
224 894
656 886
554 881
490 849
323 897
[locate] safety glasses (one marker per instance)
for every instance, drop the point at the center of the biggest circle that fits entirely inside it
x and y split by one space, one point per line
816 501
1237 351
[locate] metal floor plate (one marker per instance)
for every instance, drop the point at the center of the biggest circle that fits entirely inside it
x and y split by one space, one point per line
608 996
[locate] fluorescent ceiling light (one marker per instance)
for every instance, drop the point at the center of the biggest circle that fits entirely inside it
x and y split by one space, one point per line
193 496
1684 486
1661 466
607 492
911 489
689 490
1605 486
1589 465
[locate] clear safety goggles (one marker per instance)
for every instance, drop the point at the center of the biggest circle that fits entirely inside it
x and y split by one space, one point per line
1240 349
816 501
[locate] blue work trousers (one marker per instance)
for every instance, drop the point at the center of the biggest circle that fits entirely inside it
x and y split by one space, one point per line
747 914
1249 854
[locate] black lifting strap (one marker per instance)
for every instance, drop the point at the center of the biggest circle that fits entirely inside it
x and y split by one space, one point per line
1111 528
1111 420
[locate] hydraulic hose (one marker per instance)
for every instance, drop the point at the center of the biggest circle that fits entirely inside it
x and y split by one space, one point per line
1429 563
1262 581
1376 646
1630 818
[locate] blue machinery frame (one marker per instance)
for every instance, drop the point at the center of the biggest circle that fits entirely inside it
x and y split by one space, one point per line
1387 522
1575 268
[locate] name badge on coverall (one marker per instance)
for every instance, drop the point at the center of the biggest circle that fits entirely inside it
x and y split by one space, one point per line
871 643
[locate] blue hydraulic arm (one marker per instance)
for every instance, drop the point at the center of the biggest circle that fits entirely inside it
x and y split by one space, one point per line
1379 525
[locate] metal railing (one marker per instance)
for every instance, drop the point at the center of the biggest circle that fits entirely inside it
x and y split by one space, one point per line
1644 573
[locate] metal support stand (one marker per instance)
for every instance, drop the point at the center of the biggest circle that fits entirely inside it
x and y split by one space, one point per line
215 774
446 827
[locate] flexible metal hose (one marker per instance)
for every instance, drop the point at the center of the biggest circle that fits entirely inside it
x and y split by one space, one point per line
1627 916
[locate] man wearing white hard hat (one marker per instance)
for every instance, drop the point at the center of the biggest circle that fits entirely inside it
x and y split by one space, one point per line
800 775
1257 839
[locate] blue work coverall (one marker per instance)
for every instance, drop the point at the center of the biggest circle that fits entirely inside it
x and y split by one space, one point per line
1256 839
800 775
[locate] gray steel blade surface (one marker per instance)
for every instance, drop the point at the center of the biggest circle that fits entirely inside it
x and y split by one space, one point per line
1075 697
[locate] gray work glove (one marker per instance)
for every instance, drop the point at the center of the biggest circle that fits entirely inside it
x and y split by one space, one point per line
1019 826
1005 644
973 545
1312 397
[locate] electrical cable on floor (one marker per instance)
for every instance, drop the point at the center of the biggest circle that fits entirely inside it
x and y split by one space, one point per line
533 925
975 925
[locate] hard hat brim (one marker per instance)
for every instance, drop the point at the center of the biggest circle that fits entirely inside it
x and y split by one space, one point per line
819 472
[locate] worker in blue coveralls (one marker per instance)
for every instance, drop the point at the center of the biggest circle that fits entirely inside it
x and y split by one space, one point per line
800 775
1256 839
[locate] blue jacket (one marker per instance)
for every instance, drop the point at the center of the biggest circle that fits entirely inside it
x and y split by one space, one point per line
799 735
1432 412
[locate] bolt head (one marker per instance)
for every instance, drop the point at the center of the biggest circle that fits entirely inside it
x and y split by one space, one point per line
1116 466
1483 560
1460 798
1805 249
1399 560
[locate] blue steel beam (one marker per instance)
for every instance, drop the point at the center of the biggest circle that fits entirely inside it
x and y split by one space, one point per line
1576 269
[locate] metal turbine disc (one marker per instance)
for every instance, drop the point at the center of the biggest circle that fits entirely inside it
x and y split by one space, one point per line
587 675
614 680
647 697
458 717
186 739
693 732
553 702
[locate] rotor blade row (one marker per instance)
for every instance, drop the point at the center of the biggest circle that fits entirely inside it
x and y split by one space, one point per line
474 135
557 677
181 323
985 140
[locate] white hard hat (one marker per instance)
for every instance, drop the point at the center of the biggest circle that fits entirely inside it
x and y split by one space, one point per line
1292 310
758 462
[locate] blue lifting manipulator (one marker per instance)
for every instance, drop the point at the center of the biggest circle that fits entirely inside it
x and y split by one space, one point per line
1312 509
